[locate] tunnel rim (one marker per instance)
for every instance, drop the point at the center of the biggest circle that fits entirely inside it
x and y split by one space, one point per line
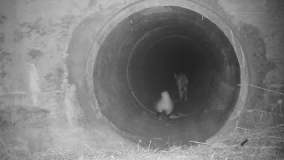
215 18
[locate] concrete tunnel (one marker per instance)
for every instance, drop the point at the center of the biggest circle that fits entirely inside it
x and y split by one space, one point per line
137 61
91 71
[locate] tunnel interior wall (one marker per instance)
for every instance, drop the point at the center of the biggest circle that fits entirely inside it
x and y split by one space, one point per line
44 48
137 61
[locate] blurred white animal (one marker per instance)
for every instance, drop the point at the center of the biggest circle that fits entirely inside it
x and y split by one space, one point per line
165 105
182 83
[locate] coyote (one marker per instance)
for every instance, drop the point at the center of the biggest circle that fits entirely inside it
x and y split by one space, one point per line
182 83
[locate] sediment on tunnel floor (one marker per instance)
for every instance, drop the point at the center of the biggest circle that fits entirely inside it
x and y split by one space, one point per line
137 61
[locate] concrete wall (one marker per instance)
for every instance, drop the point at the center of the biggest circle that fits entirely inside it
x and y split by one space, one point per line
44 47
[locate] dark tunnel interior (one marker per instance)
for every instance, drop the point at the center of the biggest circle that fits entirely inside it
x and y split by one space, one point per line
137 61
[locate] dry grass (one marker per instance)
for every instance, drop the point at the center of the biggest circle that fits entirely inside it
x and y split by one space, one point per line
266 144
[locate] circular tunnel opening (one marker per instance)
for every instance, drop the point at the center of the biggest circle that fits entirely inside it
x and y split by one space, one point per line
138 60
